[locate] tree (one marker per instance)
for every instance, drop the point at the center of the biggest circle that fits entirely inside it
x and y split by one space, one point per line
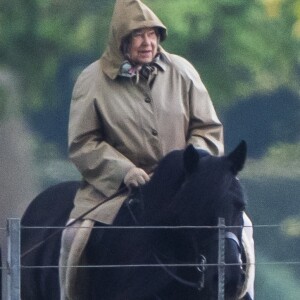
238 47
36 34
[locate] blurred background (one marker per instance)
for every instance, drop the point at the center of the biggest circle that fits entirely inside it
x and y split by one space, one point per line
248 56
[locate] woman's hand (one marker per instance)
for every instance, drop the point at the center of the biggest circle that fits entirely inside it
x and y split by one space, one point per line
135 177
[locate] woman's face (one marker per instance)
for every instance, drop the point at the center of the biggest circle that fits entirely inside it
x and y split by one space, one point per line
143 45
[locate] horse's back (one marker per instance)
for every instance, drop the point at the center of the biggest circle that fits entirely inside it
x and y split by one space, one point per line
40 254
52 206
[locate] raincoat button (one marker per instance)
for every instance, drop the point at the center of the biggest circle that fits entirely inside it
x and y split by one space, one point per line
154 132
147 100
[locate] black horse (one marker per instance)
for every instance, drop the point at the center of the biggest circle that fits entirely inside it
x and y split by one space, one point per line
188 189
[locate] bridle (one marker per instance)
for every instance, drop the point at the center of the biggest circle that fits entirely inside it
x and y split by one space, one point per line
200 268
201 261
200 264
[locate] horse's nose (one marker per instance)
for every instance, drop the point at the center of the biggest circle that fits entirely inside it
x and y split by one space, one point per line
243 276
233 283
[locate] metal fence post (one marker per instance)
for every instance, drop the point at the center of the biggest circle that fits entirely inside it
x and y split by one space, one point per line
221 260
13 259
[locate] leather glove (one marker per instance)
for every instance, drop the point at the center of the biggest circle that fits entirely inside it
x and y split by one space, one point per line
135 177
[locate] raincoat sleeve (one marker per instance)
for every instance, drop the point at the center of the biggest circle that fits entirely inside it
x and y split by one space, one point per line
100 164
205 129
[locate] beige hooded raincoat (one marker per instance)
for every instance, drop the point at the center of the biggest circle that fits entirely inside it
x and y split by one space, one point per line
116 123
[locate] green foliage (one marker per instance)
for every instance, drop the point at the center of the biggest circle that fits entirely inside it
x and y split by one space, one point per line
236 47
291 226
35 35
281 161
275 282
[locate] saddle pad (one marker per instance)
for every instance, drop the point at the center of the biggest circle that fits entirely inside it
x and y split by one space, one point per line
250 262
75 277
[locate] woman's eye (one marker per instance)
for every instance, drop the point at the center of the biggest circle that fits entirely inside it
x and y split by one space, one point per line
137 34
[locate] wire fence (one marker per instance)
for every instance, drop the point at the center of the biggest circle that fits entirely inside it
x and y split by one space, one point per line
5 229
257 263
13 266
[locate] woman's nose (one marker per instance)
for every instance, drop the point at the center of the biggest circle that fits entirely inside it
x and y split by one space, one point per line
146 39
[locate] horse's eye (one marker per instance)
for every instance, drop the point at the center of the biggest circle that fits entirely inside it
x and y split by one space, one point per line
241 206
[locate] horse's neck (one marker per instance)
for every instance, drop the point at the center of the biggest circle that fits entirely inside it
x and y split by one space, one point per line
160 191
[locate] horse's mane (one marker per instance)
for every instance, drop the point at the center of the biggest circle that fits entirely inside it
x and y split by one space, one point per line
202 187
167 176
165 181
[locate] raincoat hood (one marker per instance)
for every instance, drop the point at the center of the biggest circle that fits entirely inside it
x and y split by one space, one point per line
128 15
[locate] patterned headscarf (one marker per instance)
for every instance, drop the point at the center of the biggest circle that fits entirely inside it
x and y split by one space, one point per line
147 71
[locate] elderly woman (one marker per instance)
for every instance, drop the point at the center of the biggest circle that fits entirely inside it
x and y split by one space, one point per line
128 110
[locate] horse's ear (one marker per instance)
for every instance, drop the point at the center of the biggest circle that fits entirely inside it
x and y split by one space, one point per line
238 157
190 159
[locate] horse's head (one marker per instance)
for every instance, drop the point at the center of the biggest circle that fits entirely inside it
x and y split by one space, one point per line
211 191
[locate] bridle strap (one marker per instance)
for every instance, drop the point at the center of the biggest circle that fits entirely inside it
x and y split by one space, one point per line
198 285
183 281
174 276
230 235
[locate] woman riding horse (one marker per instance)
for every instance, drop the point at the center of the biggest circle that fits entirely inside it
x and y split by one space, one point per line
175 258
128 110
